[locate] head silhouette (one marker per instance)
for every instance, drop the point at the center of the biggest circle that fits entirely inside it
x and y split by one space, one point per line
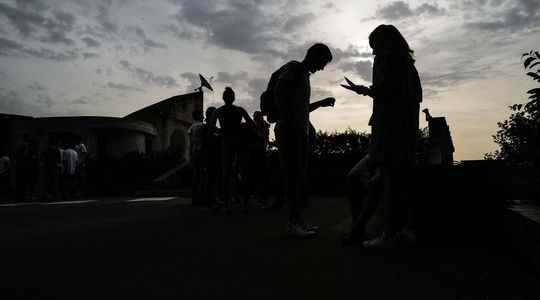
228 95
197 115
209 112
386 39
317 57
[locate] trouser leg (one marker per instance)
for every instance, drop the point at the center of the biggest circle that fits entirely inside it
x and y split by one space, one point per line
293 156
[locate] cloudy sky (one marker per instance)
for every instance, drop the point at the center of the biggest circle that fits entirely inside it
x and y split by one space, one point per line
111 57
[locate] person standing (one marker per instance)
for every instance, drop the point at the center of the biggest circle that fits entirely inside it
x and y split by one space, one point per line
211 160
258 169
230 119
5 170
70 160
26 168
396 93
81 172
292 93
52 163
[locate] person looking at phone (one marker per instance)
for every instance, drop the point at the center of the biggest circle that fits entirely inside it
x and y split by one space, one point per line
386 169
292 95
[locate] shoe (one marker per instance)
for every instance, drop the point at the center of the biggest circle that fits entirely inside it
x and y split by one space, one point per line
383 241
312 227
298 230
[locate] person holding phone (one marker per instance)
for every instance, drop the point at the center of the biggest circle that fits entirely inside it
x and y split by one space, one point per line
386 169
292 94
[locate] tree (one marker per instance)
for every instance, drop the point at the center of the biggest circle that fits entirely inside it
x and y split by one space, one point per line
347 143
518 137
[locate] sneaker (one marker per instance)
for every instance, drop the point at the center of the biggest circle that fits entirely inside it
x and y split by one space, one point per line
311 227
299 230
383 241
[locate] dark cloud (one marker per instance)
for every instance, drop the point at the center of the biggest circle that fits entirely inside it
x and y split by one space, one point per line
90 42
14 49
185 32
46 27
191 79
148 77
104 18
298 52
35 86
24 21
350 52
516 16
11 102
238 26
232 78
463 71
361 68
87 55
298 21
35 5
252 27
400 10
446 80
143 39
256 87
44 100
123 87
83 100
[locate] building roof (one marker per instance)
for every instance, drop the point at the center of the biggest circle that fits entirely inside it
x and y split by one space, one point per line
164 106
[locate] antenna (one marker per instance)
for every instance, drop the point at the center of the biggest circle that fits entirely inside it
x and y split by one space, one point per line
204 83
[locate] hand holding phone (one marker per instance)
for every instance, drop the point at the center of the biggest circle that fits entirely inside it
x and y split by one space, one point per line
359 89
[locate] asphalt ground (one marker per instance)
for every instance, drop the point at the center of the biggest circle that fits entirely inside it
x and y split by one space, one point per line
154 248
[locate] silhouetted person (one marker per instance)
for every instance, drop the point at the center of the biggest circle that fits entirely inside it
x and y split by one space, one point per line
230 117
211 159
70 160
292 93
396 93
258 167
26 168
5 170
52 164
81 171
196 151
312 133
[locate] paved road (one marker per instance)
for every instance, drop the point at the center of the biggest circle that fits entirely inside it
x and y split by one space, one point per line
164 248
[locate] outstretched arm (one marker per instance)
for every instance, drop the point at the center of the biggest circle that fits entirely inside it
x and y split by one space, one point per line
326 102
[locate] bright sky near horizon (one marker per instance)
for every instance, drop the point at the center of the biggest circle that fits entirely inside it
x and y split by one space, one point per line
112 57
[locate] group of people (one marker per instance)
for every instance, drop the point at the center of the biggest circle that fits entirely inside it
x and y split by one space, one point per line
380 179
56 173
229 162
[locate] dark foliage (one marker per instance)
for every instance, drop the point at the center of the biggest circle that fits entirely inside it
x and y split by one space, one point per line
519 136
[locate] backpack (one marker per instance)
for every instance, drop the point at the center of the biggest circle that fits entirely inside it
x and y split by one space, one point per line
269 106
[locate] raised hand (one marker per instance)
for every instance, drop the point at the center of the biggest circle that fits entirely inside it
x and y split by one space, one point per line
326 102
